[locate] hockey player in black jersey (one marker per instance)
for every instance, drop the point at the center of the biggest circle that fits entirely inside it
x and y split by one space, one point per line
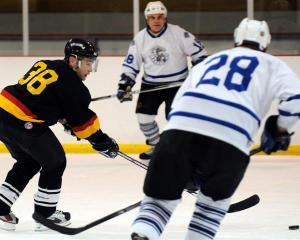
50 92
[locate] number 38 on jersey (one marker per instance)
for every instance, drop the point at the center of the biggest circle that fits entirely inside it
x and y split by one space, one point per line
38 78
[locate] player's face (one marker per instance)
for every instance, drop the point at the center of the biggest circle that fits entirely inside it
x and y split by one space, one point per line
156 22
85 67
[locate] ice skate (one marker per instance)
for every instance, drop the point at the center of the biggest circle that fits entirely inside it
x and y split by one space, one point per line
58 217
8 222
147 155
135 236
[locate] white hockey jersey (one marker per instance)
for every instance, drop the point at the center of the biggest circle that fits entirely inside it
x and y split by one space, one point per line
228 94
164 56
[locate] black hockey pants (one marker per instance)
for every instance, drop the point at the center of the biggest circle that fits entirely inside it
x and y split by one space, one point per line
34 150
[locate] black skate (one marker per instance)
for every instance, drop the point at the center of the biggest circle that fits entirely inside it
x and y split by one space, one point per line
135 236
58 217
8 222
147 155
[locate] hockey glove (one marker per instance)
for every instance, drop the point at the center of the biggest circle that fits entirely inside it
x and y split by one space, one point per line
125 88
271 139
105 145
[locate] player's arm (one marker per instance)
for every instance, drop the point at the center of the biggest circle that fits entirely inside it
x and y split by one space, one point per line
274 137
87 126
192 46
82 121
130 70
287 91
279 128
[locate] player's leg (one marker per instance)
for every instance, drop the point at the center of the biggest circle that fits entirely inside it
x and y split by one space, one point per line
168 172
146 110
207 217
169 95
150 129
15 182
152 218
48 152
222 168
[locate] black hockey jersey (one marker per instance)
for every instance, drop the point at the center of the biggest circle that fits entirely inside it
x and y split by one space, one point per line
50 91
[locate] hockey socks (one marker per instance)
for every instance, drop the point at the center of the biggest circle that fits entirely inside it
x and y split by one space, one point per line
206 218
153 216
149 128
8 196
45 201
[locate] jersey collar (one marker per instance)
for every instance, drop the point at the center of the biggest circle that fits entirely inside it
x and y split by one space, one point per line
157 35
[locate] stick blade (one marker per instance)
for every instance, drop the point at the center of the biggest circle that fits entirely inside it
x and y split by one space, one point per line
245 204
72 231
64 230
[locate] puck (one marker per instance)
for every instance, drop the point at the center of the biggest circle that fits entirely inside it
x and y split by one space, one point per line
294 227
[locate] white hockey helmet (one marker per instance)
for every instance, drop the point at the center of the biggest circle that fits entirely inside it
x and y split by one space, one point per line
253 31
155 8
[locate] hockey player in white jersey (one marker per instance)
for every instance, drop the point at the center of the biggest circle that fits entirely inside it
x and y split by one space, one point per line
162 48
214 118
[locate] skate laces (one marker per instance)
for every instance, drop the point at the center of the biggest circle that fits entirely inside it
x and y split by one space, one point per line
59 216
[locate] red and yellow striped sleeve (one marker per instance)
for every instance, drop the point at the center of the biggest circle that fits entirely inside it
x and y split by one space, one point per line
14 106
87 129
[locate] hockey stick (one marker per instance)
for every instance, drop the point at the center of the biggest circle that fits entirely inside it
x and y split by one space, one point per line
235 207
239 206
255 151
138 91
130 159
72 231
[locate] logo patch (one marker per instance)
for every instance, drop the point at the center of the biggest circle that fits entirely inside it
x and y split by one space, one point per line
28 125
159 55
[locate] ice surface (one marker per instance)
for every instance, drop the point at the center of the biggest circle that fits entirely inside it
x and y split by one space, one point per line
94 186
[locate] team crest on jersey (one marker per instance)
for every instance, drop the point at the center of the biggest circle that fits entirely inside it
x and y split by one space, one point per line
159 55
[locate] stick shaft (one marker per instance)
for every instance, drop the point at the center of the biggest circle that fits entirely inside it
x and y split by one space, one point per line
138 91
255 151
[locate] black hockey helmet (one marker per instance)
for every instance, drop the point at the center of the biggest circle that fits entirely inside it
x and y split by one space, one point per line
80 48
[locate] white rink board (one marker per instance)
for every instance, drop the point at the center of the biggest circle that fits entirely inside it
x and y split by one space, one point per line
118 120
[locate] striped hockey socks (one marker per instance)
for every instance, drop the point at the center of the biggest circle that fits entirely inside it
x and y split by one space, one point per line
206 218
153 216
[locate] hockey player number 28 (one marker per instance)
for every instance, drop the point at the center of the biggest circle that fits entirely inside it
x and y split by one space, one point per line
38 78
234 68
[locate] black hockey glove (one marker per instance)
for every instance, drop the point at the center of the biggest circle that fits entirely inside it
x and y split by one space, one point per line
125 88
271 139
103 144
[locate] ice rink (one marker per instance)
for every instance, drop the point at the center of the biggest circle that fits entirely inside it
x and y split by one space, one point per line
94 186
